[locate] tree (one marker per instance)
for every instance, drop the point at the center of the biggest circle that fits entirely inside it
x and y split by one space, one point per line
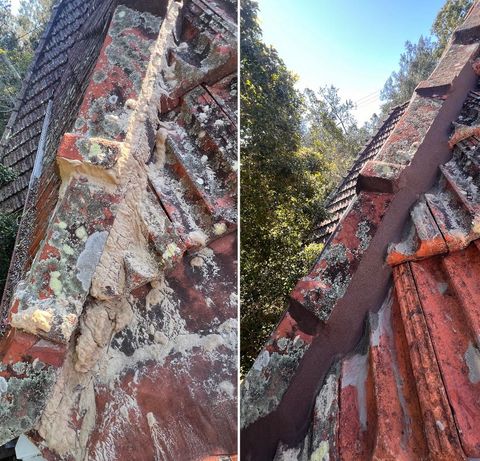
416 64
418 60
19 36
293 149
332 130
32 18
282 185
448 19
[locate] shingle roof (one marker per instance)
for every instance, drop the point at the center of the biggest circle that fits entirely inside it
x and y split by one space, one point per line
20 140
343 195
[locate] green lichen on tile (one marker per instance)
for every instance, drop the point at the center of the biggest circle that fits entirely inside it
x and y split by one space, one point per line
126 18
100 153
363 234
132 35
411 131
269 378
128 50
336 276
52 296
390 171
22 400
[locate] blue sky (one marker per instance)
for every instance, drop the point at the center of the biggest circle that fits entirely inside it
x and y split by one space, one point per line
354 45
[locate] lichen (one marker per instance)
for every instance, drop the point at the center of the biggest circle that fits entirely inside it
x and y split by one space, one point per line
364 235
23 400
268 380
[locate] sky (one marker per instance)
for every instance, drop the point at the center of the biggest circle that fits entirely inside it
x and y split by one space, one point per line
353 45
15 4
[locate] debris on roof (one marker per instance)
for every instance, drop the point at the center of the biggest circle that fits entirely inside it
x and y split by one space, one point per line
122 333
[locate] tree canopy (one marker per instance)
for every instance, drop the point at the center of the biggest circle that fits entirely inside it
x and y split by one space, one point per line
294 147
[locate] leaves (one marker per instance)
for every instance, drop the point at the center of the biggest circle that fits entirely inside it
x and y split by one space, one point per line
418 60
294 147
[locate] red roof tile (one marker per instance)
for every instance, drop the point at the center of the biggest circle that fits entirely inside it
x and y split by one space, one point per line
122 334
409 388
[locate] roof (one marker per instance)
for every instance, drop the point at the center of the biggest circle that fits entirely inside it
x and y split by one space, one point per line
20 140
377 355
343 195
122 333
63 60
410 388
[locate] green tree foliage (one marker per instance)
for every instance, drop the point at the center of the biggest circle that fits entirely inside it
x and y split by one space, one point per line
332 131
281 185
6 175
448 19
416 64
419 60
32 17
292 148
8 232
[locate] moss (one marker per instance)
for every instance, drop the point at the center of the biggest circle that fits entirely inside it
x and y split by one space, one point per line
6 175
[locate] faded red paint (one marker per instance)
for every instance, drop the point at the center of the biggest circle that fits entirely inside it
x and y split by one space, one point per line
317 291
354 439
451 337
18 346
438 423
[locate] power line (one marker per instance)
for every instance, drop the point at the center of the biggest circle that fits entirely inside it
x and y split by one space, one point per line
366 103
366 100
368 96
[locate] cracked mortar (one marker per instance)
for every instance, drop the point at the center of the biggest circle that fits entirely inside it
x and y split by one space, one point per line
90 360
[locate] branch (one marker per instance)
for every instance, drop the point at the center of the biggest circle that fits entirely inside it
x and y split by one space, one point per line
334 111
